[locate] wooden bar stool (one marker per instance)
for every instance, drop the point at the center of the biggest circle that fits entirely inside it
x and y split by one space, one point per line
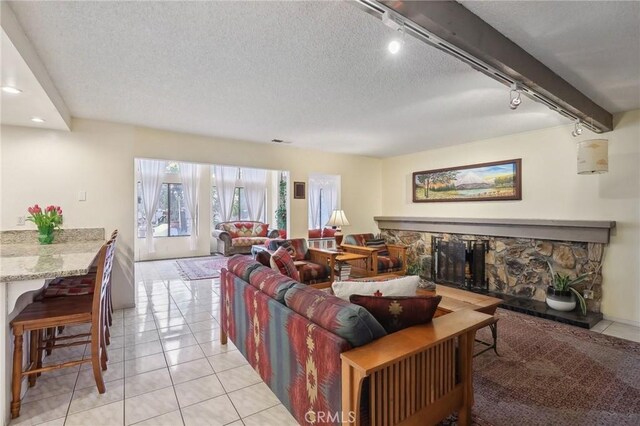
59 312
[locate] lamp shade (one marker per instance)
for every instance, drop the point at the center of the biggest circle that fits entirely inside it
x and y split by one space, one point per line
338 218
593 156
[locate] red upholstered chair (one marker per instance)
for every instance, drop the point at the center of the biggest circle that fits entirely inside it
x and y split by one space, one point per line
315 266
382 258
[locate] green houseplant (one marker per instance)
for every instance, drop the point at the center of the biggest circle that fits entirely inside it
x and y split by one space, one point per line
561 294
47 221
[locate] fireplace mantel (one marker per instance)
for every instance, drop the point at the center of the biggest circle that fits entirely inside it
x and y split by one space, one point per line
589 231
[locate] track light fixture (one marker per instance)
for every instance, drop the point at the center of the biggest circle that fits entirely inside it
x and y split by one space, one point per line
514 96
577 129
396 23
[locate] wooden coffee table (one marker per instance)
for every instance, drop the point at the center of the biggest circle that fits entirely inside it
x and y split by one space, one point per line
456 299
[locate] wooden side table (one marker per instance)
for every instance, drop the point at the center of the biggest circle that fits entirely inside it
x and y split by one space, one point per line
345 258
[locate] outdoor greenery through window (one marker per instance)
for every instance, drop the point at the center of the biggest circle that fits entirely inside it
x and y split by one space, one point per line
239 209
171 218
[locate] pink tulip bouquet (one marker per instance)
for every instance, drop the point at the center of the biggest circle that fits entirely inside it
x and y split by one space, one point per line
46 221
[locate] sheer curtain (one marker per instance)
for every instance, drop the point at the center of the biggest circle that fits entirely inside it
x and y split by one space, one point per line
151 174
226 184
324 197
190 176
255 190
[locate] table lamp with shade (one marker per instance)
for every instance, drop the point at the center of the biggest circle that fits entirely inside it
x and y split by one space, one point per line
336 221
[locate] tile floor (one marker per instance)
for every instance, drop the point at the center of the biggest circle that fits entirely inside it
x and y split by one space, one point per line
167 366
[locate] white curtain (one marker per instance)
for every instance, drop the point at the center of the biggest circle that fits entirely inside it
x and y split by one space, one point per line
190 176
151 174
314 204
226 185
255 190
324 197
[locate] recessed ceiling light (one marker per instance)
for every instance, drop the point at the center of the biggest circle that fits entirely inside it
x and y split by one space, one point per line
38 120
11 89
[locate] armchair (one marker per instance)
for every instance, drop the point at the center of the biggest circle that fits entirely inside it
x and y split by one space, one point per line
387 259
315 266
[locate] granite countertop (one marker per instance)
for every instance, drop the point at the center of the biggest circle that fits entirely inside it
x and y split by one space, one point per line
30 261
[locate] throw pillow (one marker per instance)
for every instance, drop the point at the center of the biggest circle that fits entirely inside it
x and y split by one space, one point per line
396 313
260 230
405 286
282 262
378 243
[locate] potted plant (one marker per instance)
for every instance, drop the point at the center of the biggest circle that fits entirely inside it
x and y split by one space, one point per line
561 295
46 221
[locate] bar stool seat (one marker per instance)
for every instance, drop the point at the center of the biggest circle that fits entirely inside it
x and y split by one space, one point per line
53 313
69 286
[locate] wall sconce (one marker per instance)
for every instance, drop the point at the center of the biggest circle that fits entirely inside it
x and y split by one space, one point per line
593 156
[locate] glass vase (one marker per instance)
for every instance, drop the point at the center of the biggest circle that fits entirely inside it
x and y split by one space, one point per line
45 235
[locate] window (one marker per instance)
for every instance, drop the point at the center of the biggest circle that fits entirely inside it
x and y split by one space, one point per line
239 209
324 198
171 219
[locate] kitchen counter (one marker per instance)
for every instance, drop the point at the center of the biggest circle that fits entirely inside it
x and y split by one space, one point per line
19 262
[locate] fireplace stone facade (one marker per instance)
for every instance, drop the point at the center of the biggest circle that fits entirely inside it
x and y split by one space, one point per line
515 266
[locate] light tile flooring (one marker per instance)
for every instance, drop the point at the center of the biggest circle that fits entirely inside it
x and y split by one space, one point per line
167 366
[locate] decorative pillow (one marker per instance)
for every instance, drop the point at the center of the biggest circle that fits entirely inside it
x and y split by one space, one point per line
349 321
396 313
244 229
378 243
231 229
405 286
282 262
260 229
315 233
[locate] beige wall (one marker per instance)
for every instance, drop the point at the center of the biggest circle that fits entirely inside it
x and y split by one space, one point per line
551 189
47 166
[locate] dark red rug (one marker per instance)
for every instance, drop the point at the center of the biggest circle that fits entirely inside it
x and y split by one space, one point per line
555 374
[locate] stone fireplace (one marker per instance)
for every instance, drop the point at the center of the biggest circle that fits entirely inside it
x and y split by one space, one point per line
515 264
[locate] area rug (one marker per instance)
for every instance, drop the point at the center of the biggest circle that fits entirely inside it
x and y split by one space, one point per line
201 268
555 374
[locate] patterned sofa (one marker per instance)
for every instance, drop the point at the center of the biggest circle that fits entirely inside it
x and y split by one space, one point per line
237 237
388 259
325 362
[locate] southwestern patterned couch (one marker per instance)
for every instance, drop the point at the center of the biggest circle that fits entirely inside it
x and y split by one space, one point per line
327 361
237 237
386 259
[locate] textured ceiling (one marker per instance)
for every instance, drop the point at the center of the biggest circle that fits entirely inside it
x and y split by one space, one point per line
594 45
314 73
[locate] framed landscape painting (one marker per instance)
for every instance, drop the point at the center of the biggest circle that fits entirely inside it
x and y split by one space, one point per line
496 181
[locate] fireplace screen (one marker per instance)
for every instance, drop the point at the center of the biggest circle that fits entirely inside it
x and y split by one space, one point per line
460 263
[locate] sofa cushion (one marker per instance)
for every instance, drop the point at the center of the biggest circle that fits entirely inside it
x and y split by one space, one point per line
329 232
282 262
270 282
405 286
313 272
247 241
378 243
389 263
315 233
349 321
396 313
242 266
357 239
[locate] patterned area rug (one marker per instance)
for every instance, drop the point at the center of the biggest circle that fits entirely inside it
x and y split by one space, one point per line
201 268
555 374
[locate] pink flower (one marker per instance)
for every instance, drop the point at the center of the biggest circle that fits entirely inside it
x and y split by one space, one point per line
36 209
50 209
59 211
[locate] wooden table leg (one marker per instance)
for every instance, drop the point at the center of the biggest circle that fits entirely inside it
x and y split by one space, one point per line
16 380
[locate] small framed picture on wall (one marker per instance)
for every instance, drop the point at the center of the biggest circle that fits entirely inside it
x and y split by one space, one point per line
299 190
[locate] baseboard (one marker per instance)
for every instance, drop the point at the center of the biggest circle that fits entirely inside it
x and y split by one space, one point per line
622 321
